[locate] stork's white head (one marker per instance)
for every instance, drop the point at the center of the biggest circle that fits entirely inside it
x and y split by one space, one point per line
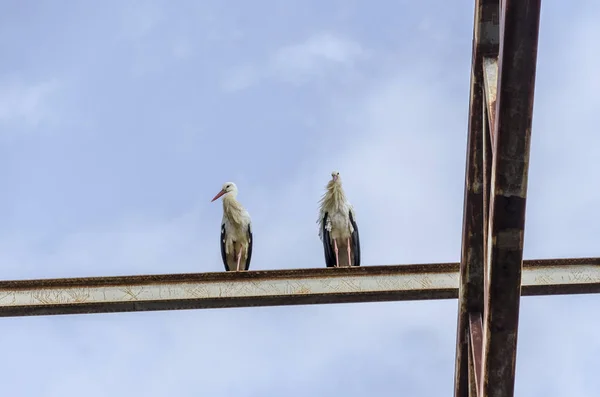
335 176
229 188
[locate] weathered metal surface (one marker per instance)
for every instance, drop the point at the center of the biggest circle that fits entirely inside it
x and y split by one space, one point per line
486 32
227 289
487 176
275 287
573 276
485 42
512 132
490 84
471 270
476 347
472 380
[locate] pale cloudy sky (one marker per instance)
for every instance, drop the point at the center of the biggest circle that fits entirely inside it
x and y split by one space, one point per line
120 120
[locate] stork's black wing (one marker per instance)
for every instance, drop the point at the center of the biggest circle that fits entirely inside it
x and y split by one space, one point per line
223 239
250 241
355 241
329 255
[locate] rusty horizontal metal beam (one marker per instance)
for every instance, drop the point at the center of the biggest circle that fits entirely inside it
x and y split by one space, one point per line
276 287
511 136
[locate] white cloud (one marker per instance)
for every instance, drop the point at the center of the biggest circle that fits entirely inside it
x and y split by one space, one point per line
29 104
321 55
318 55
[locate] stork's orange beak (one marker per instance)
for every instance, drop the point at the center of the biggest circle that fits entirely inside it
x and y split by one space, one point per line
222 192
335 177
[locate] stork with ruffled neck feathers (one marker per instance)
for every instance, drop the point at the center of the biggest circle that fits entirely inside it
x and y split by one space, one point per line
236 230
337 226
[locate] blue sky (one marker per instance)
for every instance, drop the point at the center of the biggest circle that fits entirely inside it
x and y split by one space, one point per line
120 120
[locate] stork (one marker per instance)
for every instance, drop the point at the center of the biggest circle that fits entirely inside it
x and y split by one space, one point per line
236 230
337 226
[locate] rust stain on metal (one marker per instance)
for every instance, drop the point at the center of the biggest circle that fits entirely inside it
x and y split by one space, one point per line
560 262
490 78
510 239
253 275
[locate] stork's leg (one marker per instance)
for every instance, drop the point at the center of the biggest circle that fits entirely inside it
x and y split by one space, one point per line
337 259
349 257
239 258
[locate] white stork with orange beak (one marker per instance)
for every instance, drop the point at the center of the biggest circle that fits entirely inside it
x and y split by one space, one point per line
236 230
337 226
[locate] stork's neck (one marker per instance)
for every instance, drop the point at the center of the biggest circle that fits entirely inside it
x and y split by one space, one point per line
229 199
335 197
234 211
230 203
